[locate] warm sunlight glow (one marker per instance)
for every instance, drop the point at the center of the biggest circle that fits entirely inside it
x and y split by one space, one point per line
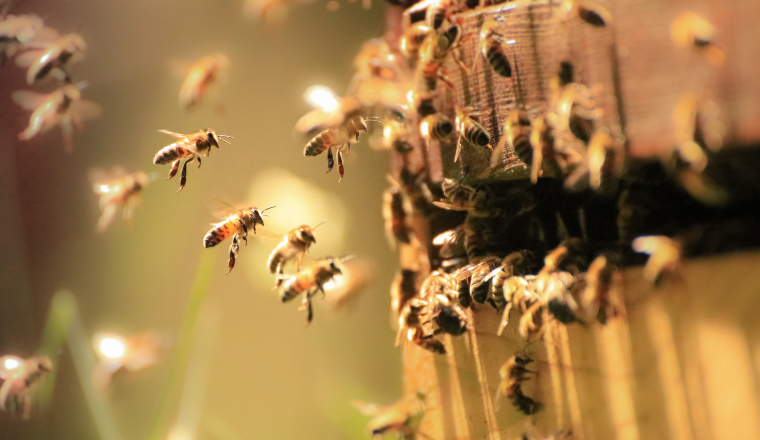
322 97
11 364
104 189
425 129
112 348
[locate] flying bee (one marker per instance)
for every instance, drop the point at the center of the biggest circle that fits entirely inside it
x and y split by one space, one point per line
21 31
396 136
591 12
310 281
20 376
692 30
544 154
492 48
436 127
664 257
395 209
293 247
64 107
191 146
236 225
412 39
513 373
54 60
117 189
576 112
517 133
469 130
402 418
202 74
598 300
340 137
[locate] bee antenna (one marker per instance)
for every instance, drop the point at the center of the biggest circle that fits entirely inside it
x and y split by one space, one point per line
315 227
346 258
267 209
224 140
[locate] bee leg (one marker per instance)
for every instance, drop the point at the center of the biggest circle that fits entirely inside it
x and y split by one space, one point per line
245 229
459 148
340 165
183 178
175 168
199 160
234 249
279 273
504 318
330 160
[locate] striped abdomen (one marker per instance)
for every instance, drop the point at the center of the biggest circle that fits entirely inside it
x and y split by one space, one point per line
320 143
219 233
518 135
296 285
498 59
171 153
395 215
475 133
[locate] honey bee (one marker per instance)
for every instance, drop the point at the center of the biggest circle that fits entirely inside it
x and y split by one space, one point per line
19 377
469 130
395 209
340 137
570 256
117 189
64 107
597 301
119 355
236 225
604 162
435 127
18 32
310 281
412 39
438 12
403 288
532 321
590 12
544 154
478 274
449 241
664 257
203 73
421 312
492 48
449 316
402 418
692 30
415 319
422 102
191 146
433 52
519 292
457 193
513 373
557 292
576 112
54 60
293 247
517 132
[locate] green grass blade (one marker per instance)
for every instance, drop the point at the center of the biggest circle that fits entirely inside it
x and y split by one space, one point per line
184 346
63 308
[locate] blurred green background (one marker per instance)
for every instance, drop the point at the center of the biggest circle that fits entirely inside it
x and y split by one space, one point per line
268 375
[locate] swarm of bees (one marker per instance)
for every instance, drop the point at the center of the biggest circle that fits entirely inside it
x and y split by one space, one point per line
46 55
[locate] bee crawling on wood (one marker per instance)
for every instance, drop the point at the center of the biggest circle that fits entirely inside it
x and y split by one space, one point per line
402 418
116 189
189 146
53 60
601 298
64 107
293 247
236 225
310 281
664 257
19 377
513 373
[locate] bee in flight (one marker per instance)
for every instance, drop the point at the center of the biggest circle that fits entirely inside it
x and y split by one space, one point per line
191 146
236 225
64 107
402 418
293 247
203 73
19 376
55 59
116 189
18 32
310 281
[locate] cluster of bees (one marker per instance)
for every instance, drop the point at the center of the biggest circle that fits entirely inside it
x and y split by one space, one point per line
47 56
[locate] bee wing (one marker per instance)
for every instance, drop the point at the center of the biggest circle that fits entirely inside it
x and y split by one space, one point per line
368 409
42 38
100 176
453 207
318 120
28 58
84 110
29 100
450 236
171 133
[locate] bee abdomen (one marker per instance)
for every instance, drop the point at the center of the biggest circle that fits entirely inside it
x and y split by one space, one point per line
523 149
476 135
170 154
499 61
441 129
291 290
275 259
319 144
216 236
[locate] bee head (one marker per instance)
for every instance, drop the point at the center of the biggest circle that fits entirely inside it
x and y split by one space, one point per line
211 136
258 217
306 234
334 267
